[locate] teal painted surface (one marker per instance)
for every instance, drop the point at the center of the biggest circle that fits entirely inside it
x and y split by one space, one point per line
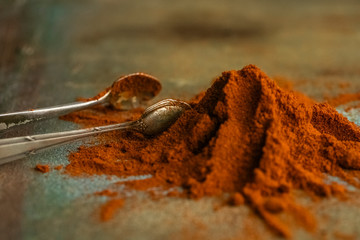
63 49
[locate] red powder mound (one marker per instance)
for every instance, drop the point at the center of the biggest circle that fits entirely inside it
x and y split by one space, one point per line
42 168
244 136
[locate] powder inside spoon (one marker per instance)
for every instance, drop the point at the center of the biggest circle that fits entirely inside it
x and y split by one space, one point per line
134 89
130 91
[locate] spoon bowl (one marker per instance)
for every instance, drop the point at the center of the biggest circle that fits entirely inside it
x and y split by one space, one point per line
160 116
133 90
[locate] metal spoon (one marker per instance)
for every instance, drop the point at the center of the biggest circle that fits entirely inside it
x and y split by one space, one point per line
125 100
154 120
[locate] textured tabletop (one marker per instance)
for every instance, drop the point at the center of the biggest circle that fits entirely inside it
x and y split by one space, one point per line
53 51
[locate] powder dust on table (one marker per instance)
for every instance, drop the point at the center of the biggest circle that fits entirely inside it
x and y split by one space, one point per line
42 168
343 98
107 210
352 100
59 167
244 136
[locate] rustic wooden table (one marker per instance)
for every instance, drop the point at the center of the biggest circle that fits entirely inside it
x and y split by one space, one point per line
52 51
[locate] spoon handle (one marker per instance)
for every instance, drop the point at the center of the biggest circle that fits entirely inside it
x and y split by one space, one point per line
19 147
9 120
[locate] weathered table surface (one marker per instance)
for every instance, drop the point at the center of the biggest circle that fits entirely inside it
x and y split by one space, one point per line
52 51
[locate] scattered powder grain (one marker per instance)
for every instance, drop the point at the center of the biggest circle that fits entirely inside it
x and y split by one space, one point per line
58 167
42 168
237 199
107 193
108 210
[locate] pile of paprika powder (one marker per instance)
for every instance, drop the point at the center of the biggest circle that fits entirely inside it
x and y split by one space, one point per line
244 136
